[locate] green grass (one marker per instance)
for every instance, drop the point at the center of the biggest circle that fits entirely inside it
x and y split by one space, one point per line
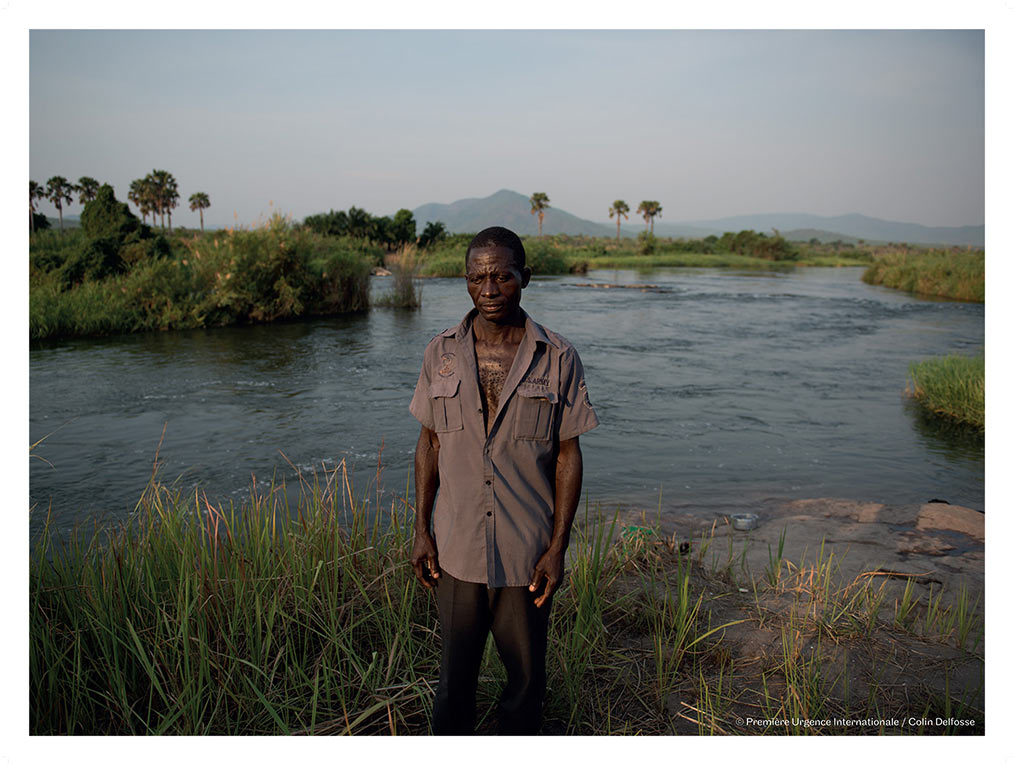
956 274
953 387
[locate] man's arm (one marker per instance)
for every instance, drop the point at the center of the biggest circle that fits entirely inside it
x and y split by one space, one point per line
427 479
569 471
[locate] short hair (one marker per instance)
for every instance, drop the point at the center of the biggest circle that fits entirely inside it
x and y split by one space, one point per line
498 236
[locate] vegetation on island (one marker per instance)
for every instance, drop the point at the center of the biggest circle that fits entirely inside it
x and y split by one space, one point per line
197 619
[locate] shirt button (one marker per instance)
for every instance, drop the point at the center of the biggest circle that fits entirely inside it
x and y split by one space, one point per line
489 514
488 483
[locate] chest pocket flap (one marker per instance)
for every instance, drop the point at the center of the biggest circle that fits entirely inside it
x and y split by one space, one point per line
536 406
446 404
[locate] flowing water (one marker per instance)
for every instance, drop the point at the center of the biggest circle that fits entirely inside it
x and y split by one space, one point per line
715 389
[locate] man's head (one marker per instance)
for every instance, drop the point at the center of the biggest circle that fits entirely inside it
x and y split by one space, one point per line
495 273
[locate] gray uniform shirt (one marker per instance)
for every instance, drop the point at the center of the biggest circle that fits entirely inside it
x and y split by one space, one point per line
493 516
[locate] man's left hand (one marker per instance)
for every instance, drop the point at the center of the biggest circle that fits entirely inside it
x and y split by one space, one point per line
548 569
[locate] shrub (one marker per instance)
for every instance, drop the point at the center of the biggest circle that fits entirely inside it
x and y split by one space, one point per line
94 261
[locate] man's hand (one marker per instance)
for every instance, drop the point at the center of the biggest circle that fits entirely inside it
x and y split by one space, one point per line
550 569
424 559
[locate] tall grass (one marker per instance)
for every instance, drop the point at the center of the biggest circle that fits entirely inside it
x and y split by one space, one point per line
953 387
960 275
404 292
198 619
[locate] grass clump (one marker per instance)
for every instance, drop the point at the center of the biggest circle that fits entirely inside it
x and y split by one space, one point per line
404 292
953 387
955 274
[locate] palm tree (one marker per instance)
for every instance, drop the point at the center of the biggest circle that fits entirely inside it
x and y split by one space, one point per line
619 209
540 203
199 201
58 191
35 191
136 195
165 194
649 209
87 188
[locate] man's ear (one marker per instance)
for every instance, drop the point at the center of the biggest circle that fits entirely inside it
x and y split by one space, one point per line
526 276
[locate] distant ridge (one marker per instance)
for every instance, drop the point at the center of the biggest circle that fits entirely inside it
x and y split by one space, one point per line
854 225
511 209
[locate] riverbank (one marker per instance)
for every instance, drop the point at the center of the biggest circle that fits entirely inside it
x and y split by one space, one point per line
200 620
955 274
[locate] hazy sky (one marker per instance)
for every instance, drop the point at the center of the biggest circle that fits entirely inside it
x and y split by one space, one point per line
710 123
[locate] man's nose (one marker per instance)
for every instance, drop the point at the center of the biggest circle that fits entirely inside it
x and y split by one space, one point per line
490 288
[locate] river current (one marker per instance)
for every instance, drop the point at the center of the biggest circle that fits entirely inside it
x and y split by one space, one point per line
715 389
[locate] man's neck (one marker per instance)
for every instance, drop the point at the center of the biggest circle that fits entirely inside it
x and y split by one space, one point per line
511 331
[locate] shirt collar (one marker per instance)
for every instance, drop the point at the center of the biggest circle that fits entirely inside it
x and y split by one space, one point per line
533 329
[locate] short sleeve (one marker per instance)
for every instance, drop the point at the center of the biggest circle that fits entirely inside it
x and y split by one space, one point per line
577 414
421 406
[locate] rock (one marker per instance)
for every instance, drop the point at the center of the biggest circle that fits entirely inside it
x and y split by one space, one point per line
910 543
380 271
952 518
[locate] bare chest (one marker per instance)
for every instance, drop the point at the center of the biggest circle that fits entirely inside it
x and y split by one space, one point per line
493 362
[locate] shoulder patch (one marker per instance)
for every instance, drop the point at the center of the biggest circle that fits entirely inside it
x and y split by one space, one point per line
447 364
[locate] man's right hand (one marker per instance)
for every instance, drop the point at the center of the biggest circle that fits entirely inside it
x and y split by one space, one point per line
424 559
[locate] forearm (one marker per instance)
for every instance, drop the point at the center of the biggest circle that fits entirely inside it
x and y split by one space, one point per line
427 477
569 473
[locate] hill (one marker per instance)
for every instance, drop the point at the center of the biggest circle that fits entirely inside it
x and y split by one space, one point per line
506 208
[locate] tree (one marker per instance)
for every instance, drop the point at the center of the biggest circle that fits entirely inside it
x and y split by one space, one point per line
433 233
403 227
199 201
649 209
619 208
138 195
35 191
58 191
87 188
164 194
107 218
540 203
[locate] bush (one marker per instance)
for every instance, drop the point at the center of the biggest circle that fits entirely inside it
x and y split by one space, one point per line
646 243
94 261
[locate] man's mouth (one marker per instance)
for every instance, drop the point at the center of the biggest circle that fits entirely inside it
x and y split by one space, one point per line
491 307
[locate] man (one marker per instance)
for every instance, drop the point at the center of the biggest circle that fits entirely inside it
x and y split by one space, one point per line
502 401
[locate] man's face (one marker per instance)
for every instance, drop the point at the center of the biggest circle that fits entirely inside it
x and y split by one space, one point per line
495 283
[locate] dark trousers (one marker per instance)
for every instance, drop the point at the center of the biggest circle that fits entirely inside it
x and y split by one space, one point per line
468 612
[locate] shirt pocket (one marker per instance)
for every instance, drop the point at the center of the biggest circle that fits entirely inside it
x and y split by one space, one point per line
446 405
536 409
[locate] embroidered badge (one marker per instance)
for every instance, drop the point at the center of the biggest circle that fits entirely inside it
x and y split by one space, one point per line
583 389
447 359
537 381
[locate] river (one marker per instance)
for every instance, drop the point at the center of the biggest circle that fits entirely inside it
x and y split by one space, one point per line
718 389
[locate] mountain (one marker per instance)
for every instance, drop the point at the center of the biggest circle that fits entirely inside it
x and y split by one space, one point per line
854 225
511 209
505 208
